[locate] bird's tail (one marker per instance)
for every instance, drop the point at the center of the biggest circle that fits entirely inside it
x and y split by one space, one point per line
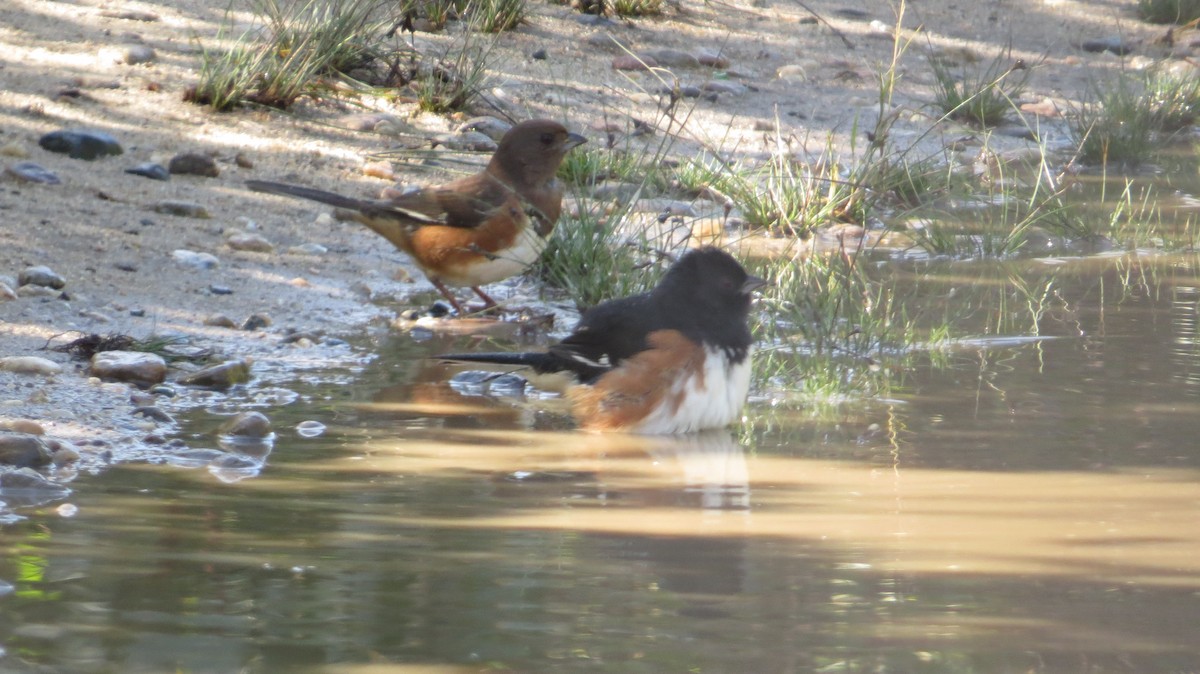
310 193
539 362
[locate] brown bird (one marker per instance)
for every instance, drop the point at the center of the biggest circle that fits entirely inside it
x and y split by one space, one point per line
475 230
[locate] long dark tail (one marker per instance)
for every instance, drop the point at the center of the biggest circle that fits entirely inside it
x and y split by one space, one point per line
540 362
313 194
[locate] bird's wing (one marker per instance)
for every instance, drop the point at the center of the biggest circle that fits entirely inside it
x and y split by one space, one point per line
464 203
606 335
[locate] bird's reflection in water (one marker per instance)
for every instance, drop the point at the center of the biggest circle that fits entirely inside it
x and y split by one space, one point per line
711 466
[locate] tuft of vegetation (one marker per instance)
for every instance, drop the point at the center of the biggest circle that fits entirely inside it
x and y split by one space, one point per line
455 79
1117 126
1169 11
979 97
495 16
625 8
1175 98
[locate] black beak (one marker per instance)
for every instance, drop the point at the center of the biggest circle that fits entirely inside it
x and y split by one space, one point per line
574 140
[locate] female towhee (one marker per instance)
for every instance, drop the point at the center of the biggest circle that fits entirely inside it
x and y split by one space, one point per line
475 230
673 360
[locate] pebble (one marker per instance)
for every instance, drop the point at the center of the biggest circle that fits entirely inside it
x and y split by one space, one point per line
489 126
673 58
310 429
152 412
379 122
29 365
130 15
220 290
615 191
220 376
40 276
26 426
255 243
183 209
793 73
220 321
22 450
1115 44
193 163
248 425
137 367
721 87
308 249
257 322
190 258
33 173
243 160
711 59
380 169
129 54
470 141
62 452
36 291
633 63
14 149
163 390
1043 108
81 143
539 55
152 170
7 294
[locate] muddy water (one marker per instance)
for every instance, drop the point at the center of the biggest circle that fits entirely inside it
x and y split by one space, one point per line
1031 505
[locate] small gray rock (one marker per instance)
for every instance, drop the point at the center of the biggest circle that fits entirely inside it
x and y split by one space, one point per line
152 170
154 413
40 276
489 126
81 143
190 258
255 243
674 58
23 450
130 15
633 63
539 55
219 377
183 209
136 367
248 425
257 322
193 163
136 54
712 59
33 173
722 87
1115 44
470 141
220 321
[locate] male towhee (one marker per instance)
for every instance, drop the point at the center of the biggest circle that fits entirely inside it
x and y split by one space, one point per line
475 230
673 360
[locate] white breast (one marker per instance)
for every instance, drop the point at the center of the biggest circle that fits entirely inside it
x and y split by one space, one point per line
716 404
506 264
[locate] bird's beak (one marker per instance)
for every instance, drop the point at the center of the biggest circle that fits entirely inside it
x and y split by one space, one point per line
574 140
752 283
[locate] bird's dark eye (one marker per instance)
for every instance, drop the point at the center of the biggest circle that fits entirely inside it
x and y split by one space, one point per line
547 138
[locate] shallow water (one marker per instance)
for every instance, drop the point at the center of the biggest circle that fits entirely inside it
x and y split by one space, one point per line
1030 506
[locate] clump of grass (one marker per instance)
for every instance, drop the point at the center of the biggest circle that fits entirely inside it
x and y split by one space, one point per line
1169 11
980 97
1175 98
495 16
586 168
455 79
827 329
593 259
637 7
297 44
1119 125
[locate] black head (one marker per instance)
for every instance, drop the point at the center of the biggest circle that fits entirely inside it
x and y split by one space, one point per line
532 150
712 282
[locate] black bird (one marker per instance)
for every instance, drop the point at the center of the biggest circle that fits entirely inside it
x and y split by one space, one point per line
672 360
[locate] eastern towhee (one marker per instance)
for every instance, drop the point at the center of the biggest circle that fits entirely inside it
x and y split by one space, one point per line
475 230
673 360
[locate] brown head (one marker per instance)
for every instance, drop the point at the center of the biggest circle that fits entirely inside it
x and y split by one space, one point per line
530 153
